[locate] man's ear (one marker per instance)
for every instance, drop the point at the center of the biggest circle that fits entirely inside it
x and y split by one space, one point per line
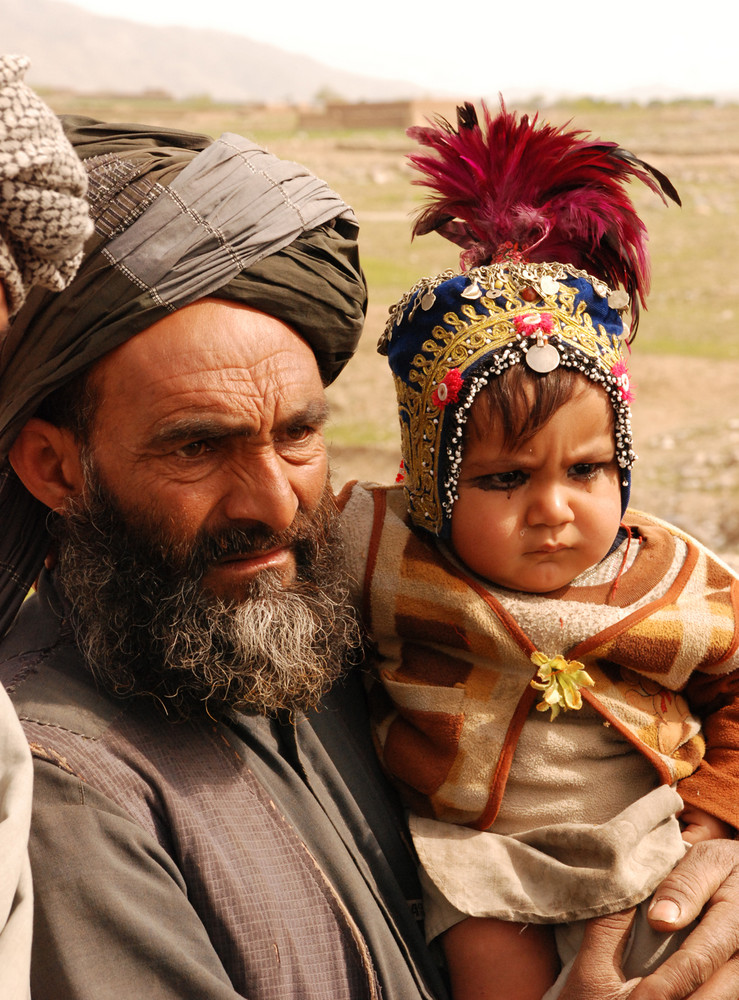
46 459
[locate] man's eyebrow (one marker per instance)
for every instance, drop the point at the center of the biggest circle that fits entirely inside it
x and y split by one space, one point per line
194 428
315 412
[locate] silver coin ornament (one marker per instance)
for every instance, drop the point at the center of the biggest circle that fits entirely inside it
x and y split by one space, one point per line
542 359
472 291
618 299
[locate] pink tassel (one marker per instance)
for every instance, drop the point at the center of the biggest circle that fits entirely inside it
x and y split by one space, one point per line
545 193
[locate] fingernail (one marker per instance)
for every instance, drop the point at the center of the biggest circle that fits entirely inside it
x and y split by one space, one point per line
665 910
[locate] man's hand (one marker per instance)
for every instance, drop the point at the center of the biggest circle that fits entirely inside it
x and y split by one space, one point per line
596 972
706 967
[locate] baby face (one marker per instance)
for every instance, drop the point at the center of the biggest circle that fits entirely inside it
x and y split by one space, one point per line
534 516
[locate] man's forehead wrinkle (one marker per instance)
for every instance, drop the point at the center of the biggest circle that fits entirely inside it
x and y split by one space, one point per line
209 371
210 412
234 407
259 375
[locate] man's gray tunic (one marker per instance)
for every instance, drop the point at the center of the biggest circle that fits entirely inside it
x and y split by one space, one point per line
196 861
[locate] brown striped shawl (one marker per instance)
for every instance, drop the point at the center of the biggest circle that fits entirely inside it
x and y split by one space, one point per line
455 666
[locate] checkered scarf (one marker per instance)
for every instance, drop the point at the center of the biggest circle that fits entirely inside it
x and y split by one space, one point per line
44 219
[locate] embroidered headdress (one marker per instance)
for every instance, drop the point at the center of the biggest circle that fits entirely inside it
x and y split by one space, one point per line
553 255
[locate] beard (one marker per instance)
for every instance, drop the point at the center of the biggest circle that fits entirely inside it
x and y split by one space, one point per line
146 626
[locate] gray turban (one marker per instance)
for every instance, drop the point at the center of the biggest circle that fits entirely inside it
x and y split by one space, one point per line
177 217
44 219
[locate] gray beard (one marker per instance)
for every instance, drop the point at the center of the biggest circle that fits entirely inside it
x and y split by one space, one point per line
147 627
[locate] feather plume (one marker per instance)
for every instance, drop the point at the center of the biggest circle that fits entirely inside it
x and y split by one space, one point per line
541 192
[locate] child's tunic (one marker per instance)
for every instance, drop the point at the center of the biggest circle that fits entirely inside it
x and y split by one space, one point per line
587 822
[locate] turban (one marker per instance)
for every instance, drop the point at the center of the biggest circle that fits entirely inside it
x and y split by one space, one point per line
177 217
44 219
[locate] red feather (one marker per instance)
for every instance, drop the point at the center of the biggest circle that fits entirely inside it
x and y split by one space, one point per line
547 193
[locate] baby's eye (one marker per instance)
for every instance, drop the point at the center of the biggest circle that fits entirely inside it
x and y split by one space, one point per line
508 480
585 470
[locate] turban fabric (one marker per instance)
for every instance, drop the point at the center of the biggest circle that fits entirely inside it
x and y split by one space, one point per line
177 217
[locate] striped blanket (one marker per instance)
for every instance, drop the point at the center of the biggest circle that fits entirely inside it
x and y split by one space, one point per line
456 666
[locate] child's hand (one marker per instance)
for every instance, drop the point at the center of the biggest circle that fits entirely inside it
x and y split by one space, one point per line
699 825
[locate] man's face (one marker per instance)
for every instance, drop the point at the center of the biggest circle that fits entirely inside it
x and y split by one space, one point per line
201 556
212 420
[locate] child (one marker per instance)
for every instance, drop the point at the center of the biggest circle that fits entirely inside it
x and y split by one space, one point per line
507 569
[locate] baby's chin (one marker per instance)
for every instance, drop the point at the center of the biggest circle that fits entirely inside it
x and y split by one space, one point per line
546 577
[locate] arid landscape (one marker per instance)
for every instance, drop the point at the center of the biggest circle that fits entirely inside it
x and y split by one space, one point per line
685 364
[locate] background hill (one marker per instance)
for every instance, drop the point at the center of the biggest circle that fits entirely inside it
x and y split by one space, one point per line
74 49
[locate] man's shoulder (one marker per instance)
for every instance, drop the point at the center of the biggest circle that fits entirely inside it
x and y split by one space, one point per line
42 670
124 749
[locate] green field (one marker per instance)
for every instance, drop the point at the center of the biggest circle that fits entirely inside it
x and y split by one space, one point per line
693 248
686 359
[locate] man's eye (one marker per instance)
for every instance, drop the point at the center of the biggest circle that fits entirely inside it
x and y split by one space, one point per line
193 449
501 480
300 433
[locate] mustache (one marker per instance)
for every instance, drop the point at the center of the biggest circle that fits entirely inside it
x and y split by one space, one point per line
212 546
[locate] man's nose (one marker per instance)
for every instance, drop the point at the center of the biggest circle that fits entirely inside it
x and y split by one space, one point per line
550 506
261 491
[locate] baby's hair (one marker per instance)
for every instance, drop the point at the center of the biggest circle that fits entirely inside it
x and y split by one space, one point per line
521 402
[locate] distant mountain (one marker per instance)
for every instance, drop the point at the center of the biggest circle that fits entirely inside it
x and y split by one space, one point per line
73 49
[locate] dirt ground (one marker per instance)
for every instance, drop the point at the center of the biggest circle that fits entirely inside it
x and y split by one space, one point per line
686 430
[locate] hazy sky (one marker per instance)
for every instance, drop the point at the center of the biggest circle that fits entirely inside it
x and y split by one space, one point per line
477 48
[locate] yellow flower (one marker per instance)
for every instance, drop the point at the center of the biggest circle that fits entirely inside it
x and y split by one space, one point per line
561 681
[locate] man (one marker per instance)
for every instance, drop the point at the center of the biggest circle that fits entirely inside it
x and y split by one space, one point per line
43 224
164 862
201 830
